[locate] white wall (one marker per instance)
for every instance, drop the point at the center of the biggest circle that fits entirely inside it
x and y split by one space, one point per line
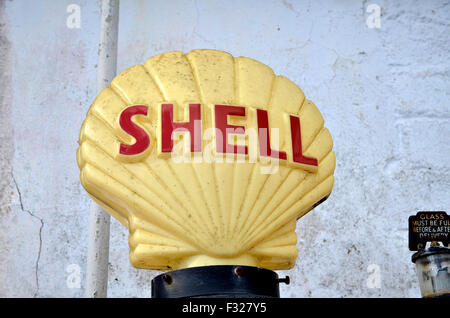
384 94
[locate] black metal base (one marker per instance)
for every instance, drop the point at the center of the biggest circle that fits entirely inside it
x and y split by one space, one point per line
430 251
218 281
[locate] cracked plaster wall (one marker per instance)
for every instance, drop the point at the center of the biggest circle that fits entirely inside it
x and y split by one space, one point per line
384 94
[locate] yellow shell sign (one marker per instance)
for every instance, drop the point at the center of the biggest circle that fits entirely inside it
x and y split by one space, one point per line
207 159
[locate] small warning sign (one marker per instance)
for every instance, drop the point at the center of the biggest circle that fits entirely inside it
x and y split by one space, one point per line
428 226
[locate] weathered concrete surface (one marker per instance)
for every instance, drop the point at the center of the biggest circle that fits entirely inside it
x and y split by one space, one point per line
20 228
52 83
383 93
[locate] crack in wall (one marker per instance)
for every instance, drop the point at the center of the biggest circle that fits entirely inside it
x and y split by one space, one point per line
36 266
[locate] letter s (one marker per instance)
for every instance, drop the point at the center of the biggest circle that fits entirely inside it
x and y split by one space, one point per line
142 138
